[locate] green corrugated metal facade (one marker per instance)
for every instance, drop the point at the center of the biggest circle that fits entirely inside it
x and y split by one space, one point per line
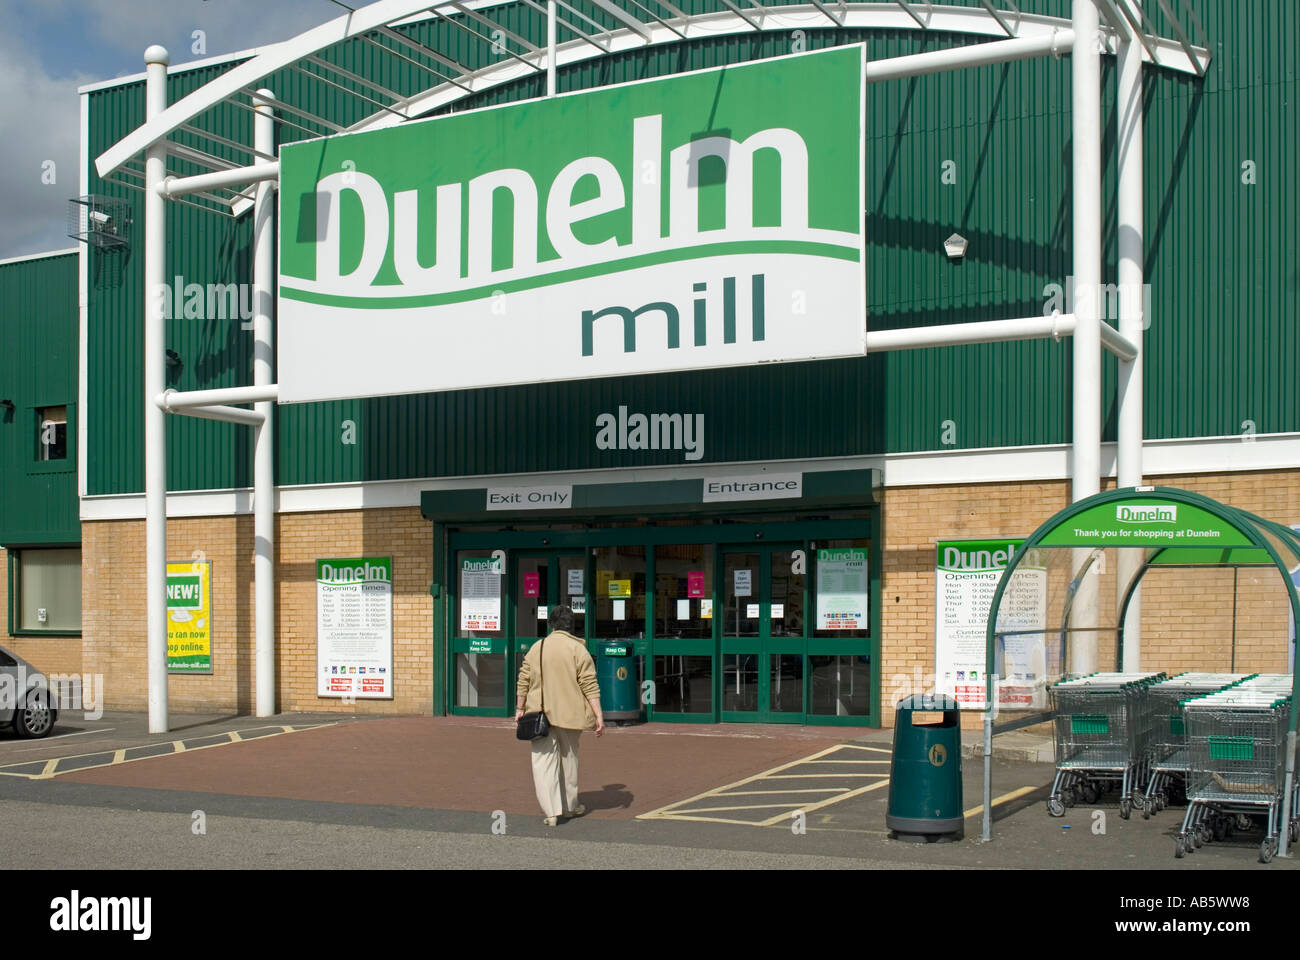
1222 346
38 368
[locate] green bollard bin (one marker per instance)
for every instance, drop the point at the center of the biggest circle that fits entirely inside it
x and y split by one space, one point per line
925 775
616 672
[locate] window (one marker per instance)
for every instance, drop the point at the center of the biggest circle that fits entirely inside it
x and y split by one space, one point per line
52 433
45 590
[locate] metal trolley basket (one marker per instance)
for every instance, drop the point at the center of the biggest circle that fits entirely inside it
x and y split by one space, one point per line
1103 726
1168 745
1236 764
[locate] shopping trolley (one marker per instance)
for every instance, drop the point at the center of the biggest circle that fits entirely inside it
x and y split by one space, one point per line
1236 765
1168 743
1103 727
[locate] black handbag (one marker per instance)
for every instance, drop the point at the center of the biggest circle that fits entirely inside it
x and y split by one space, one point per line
534 726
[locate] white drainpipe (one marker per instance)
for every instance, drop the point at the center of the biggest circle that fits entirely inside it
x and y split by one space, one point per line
1086 454
264 434
1129 115
155 375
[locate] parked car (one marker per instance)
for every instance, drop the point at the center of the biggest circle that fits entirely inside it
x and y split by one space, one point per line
26 700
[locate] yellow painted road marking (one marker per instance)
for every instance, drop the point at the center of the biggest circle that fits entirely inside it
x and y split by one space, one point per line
752 806
685 809
973 811
754 793
826 803
742 823
51 768
848 761
822 776
858 746
739 783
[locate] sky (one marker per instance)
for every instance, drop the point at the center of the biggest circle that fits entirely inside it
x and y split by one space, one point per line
51 47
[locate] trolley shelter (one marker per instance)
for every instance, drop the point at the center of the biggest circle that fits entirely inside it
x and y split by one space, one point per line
1063 605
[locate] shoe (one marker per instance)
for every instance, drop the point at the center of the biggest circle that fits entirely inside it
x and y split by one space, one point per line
577 811
551 821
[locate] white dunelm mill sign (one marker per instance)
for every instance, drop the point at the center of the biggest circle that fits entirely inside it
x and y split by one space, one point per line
703 220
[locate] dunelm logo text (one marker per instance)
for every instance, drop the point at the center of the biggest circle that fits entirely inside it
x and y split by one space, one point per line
1141 514
554 204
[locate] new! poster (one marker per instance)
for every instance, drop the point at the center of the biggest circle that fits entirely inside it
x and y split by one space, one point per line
189 617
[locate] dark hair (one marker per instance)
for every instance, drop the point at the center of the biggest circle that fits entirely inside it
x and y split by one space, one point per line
560 617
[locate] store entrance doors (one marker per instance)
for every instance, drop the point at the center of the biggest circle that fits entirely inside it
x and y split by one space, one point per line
543 579
688 622
764 644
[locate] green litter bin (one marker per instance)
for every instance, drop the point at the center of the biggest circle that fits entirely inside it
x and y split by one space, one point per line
616 672
925 774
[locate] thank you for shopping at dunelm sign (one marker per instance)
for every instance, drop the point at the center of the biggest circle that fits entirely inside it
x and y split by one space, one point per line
704 220
1148 522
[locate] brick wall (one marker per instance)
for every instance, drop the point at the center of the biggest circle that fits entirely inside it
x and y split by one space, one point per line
114 607
1186 615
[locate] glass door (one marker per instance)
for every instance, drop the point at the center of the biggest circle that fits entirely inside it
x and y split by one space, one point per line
544 579
682 631
481 662
763 641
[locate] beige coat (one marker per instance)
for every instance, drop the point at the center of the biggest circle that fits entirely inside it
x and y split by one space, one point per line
570 678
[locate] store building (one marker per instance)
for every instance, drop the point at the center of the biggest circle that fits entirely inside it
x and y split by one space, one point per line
748 543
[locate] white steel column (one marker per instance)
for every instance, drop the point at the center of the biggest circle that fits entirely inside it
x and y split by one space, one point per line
264 433
1129 114
550 47
1086 466
155 375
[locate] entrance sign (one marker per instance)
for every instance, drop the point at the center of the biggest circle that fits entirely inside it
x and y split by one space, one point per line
480 594
189 617
757 487
967 573
707 219
354 628
842 589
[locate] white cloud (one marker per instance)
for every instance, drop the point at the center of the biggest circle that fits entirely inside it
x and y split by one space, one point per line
40 121
228 25
40 115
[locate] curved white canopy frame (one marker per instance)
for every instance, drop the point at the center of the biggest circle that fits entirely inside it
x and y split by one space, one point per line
641 27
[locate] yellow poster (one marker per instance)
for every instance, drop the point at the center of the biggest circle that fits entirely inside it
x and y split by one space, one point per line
620 588
189 617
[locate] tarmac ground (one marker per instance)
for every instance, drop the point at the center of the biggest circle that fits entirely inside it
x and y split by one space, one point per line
328 791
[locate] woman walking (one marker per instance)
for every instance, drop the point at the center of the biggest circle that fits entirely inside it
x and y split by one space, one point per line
559 678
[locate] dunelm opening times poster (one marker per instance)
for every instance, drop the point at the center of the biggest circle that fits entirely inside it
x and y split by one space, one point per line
842 589
967 573
354 628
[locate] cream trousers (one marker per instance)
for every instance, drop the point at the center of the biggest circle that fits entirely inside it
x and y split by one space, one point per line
555 771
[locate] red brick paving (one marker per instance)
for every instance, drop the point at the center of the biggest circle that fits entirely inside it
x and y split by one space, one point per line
463 763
